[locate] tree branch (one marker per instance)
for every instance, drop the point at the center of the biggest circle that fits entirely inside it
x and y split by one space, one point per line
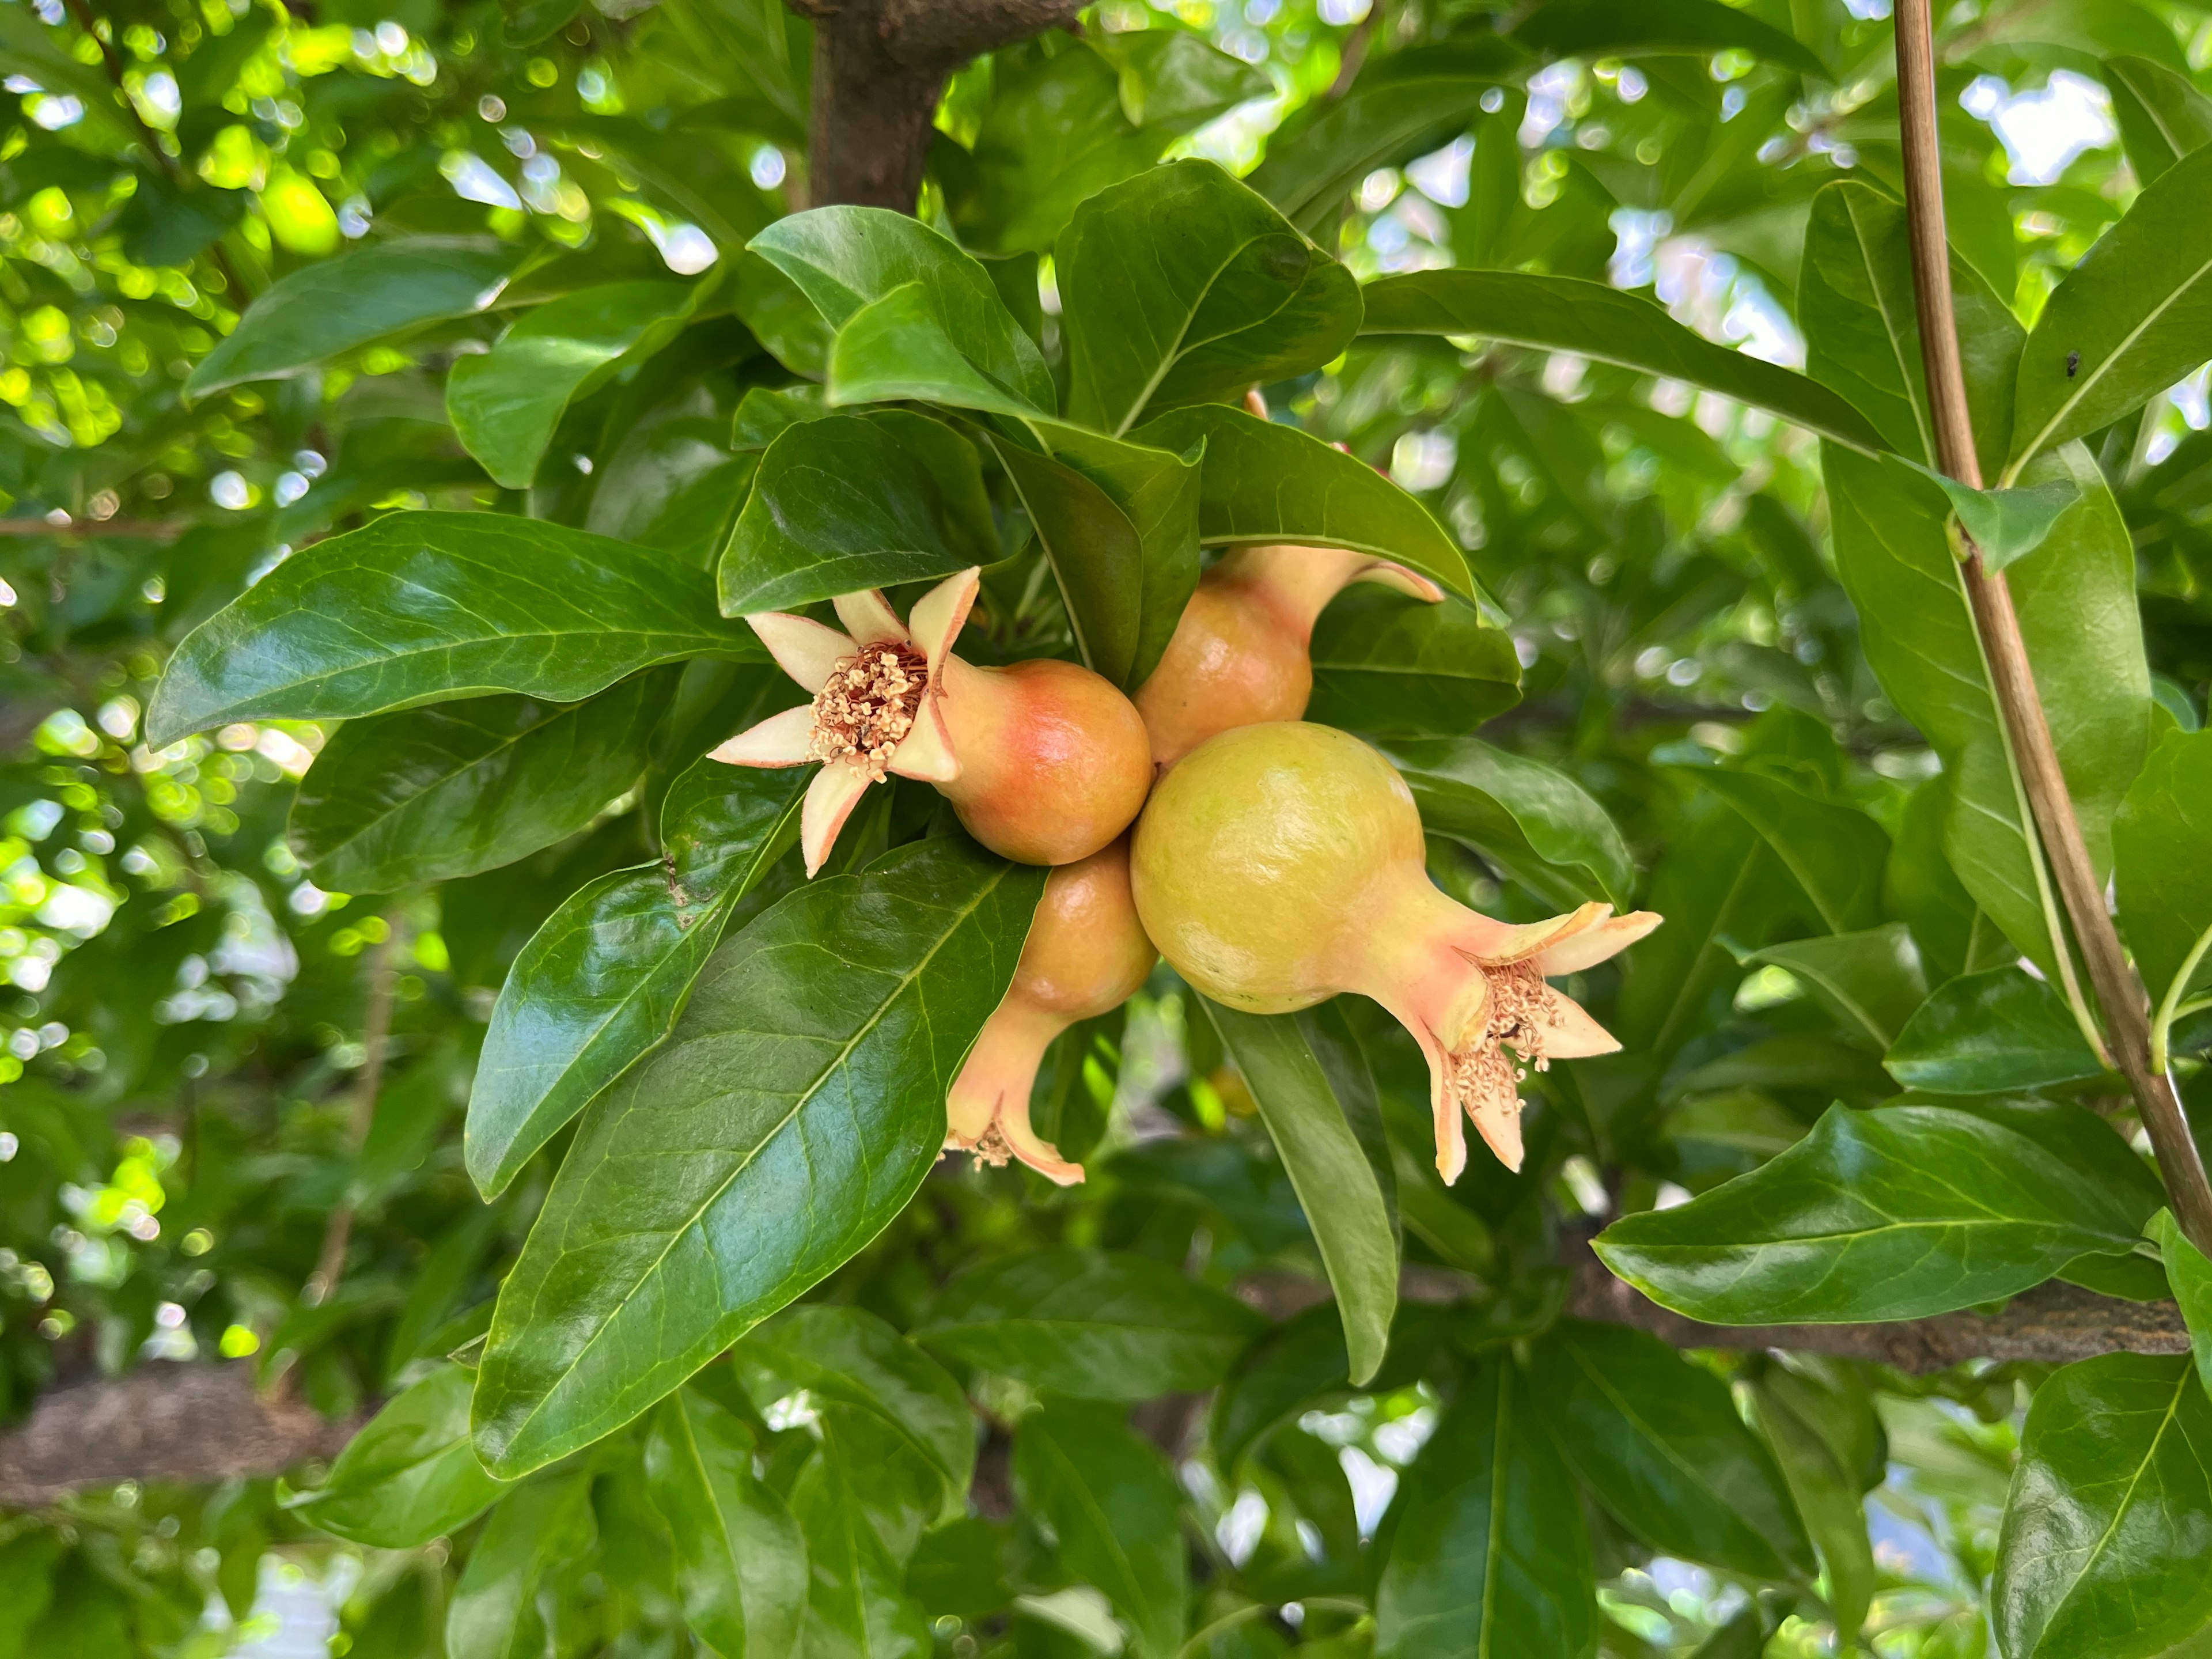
879 68
2120 994
165 1421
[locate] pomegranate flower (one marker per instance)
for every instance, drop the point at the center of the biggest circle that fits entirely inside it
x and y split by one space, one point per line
877 709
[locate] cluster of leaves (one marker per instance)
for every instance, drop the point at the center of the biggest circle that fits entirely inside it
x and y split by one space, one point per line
1742 692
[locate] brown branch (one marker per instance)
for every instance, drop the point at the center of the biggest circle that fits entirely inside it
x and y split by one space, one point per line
165 1421
2120 994
879 68
338 1232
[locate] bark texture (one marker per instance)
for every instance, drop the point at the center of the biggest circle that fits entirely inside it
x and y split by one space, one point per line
879 68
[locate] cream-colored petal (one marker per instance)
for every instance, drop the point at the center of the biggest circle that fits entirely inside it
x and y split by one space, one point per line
1588 946
803 648
1570 1033
1391 574
1497 943
779 740
1497 1121
925 752
830 799
868 617
1040 1155
940 615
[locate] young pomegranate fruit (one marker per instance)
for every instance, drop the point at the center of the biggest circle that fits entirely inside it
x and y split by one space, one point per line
1044 762
1239 654
1280 864
1086 955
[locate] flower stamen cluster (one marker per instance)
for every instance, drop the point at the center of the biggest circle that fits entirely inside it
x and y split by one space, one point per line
1523 1010
866 708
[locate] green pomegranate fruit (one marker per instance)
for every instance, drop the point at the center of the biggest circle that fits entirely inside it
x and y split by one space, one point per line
1239 655
1086 955
1278 865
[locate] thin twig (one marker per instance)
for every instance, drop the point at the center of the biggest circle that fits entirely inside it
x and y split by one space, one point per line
338 1233
2120 994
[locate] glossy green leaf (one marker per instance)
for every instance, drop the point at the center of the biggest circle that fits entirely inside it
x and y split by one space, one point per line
428 794
1388 667
1262 482
1658 1439
1862 331
1544 828
851 502
857 1606
802 1096
1405 105
1183 286
1567 313
601 982
694 172
1113 1506
505 402
1288 1367
2189 1275
2076 598
2133 317
2103 1545
2006 526
2165 888
1897 1213
1624 28
1096 1325
740 1561
844 258
1349 1201
494 1614
898 347
1990 1033
1871 981
1817 1434
848 1357
421 607
332 305
1836 852
2162 116
410 1475
1095 554
1487 1555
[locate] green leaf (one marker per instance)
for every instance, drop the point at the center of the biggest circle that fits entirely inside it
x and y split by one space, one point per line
1183 286
1487 1555
1836 852
1658 1439
333 306
495 1613
1401 107
505 402
1991 1033
1113 1504
421 607
1388 667
846 1356
851 502
602 982
2076 598
1262 482
844 258
1095 554
2189 1273
1817 1434
896 347
410 1475
1349 1201
1288 1367
1625 28
2165 889
857 1606
1871 981
2131 319
740 1561
695 172
2102 1549
425 794
802 1098
1567 313
2161 114
2007 524
1896 1212
1090 1323
1543 828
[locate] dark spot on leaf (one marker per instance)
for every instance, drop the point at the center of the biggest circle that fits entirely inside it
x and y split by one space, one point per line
2073 364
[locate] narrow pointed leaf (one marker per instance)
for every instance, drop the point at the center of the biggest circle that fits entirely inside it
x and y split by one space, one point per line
410 1475
2162 116
494 1613
1871 981
1623 28
1545 828
1837 852
1113 1503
